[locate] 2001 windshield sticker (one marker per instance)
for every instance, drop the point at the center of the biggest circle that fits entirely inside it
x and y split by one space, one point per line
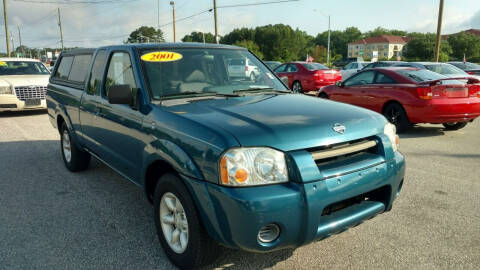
161 57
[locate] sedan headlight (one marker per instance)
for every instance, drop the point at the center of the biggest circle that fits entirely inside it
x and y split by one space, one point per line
391 131
253 166
5 90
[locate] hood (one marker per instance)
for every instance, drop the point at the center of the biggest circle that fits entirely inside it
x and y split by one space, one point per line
286 122
23 80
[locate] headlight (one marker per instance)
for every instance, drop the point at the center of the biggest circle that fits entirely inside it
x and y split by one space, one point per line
5 90
391 131
253 166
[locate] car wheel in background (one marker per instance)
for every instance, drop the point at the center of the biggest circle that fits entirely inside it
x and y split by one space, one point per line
454 126
74 158
252 76
179 229
297 87
323 95
396 115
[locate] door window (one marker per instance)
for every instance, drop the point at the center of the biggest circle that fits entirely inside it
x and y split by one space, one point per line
96 78
280 68
383 79
63 69
120 71
361 79
291 68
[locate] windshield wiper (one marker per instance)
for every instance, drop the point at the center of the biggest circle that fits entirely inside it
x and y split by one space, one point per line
260 89
200 94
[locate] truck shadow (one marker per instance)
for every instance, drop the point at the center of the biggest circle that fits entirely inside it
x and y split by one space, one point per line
22 113
95 208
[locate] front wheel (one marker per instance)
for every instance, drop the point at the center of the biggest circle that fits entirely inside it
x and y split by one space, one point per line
252 76
297 87
323 95
396 115
75 159
179 228
454 126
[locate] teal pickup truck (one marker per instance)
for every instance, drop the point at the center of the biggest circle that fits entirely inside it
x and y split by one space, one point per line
240 162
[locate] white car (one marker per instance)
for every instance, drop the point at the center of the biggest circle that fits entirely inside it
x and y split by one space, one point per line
242 68
351 69
23 84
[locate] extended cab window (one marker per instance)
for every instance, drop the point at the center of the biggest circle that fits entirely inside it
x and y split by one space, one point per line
80 67
120 72
63 69
96 78
361 79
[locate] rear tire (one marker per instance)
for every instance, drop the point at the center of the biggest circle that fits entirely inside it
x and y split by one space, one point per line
396 115
323 95
297 87
454 126
75 159
175 211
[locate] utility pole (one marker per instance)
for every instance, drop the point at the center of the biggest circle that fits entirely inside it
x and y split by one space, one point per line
439 31
173 10
6 26
158 14
20 40
60 25
215 17
328 44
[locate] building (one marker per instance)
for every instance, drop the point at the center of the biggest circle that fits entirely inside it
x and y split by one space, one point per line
475 32
384 46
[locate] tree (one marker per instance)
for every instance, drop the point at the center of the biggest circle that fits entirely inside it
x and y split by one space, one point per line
339 40
422 49
250 45
382 31
464 43
238 35
145 34
198 37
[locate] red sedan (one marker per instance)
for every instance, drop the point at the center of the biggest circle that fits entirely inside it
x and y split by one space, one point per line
304 77
406 96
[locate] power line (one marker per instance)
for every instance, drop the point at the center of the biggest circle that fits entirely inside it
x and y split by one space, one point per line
76 2
257 4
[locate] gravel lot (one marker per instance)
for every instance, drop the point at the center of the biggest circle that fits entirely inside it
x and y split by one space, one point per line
53 219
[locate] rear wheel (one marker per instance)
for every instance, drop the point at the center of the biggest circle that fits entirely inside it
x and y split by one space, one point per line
179 228
297 87
396 115
252 76
323 95
454 126
75 159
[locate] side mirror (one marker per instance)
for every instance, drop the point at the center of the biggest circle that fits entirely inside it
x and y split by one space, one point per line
120 94
284 80
339 84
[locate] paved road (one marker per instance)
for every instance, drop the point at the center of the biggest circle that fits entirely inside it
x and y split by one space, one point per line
53 219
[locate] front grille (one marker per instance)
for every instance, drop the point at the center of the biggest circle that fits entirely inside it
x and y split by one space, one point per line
327 154
30 92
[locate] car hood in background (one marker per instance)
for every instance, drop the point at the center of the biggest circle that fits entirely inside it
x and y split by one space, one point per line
24 80
286 122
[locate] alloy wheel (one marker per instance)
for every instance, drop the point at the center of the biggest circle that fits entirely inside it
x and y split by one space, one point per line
174 222
66 146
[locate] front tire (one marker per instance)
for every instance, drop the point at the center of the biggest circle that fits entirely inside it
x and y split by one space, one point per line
454 126
75 159
297 87
252 76
178 224
396 115
323 95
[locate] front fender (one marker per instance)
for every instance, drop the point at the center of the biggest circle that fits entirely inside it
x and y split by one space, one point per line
171 153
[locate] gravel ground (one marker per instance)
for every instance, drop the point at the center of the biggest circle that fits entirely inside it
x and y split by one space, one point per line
53 219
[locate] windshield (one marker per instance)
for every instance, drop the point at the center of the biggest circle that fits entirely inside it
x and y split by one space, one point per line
423 75
445 69
314 66
22 68
185 72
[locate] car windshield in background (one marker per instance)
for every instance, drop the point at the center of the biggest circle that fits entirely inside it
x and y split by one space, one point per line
423 75
314 66
188 72
22 68
445 69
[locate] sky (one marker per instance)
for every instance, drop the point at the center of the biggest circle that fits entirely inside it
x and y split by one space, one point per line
87 24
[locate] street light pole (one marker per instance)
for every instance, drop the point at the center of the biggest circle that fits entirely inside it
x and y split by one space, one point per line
173 10
215 17
6 26
439 31
60 25
328 44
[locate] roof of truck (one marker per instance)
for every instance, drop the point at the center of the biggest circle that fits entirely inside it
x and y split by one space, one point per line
177 45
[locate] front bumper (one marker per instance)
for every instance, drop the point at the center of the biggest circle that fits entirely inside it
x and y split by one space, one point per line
234 216
12 103
446 110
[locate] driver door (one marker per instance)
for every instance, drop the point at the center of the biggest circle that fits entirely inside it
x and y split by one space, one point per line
355 89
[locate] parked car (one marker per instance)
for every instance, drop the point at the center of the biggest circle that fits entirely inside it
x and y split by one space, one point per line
242 68
23 84
272 64
304 77
440 68
470 68
407 96
379 64
246 164
345 61
351 69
